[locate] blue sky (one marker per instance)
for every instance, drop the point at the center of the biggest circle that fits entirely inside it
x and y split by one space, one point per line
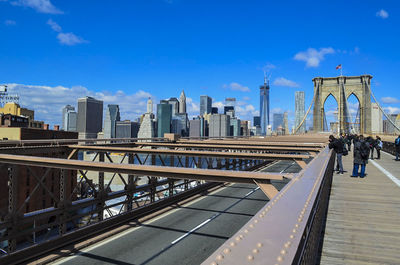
53 52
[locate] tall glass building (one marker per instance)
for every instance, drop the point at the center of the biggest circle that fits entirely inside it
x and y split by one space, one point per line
278 121
112 116
205 105
264 106
90 117
164 117
299 111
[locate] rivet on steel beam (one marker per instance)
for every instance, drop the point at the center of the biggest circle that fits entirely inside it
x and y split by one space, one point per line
220 257
255 251
296 225
238 238
214 263
261 215
250 257
232 244
300 219
283 252
259 244
227 250
294 230
279 258
256 221
246 231
291 236
263 212
251 226
287 244
269 206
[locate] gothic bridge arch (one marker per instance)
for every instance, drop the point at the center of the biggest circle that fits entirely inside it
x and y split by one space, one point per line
341 88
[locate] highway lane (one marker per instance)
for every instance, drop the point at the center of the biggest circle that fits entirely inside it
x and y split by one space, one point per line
186 235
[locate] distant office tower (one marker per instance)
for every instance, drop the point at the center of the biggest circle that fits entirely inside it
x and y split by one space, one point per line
126 129
264 106
245 128
234 127
214 110
174 102
299 111
69 118
195 128
256 121
164 116
90 117
149 106
66 109
182 102
112 116
286 122
180 124
277 121
376 119
205 105
229 110
388 126
219 125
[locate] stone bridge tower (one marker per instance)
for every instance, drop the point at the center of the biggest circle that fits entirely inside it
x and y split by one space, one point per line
341 88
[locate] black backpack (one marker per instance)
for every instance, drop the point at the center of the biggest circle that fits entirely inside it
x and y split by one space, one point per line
364 150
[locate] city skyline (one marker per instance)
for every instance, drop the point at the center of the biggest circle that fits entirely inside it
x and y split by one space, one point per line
76 61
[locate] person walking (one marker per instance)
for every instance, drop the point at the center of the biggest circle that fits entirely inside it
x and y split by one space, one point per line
349 138
337 146
371 143
378 146
360 158
397 145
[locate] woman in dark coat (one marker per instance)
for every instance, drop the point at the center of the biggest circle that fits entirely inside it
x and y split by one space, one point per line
359 159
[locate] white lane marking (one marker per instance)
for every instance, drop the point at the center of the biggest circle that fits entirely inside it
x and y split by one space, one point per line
206 221
387 173
389 154
119 235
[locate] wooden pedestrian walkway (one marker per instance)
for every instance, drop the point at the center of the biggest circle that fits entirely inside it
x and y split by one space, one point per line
363 222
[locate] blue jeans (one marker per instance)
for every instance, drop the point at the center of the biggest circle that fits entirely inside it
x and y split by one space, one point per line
339 163
397 155
355 170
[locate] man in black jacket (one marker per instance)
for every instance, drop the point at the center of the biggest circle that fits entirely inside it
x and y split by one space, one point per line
337 146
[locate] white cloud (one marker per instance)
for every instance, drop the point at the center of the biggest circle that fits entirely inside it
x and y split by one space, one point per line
389 100
246 98
268 67
47 102
41 6
281 81
70 39
313 57
391 110
382 14
9 22
218 104
54 26
236 87
192 108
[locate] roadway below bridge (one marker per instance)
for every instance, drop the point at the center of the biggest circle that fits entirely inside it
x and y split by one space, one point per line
187 234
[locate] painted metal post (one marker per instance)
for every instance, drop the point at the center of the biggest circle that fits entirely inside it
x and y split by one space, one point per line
12 205
131 184
62 227
101 192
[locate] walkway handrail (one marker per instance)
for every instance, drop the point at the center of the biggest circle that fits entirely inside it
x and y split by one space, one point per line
287 230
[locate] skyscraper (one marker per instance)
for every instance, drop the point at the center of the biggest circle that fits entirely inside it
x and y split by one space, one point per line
286 122
90 117
174 102
264 106
219 125
149 106
65 110
71 118
126 129
182 102
112 116
230 102
205 105
164 116
277 121
299 111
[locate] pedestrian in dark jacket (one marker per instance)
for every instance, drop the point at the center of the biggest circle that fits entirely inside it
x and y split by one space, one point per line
361 154
337 146
378 146
397 145
349 138
371 143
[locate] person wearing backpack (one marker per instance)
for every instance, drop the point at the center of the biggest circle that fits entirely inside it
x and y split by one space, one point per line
337 146
371 143
361 154
378 146
397 145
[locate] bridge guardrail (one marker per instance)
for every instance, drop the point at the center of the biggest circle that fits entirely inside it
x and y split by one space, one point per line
288 229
